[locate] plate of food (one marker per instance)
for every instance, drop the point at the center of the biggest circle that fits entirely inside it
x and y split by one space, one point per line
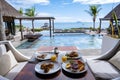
43 55
47 67
73 55
74 66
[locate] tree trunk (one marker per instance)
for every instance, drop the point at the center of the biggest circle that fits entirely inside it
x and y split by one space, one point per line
33 26
2 29
93 23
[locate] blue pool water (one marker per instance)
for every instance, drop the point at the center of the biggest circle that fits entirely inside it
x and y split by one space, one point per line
81 41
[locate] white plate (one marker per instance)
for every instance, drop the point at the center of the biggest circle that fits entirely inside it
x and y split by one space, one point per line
57 67
47 57
79 56
70 71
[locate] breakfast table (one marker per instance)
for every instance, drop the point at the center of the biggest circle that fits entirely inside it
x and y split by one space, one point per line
29 73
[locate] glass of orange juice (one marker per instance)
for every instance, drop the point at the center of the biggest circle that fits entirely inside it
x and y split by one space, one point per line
64 58
53 58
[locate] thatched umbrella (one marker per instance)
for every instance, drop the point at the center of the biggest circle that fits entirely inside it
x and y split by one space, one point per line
6 10
108 17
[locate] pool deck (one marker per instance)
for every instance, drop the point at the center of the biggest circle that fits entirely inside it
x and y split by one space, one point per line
60 48
30 52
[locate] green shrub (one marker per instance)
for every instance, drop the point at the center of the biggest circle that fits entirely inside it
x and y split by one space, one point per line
37 29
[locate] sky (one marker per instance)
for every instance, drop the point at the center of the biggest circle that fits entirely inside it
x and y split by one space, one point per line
66 10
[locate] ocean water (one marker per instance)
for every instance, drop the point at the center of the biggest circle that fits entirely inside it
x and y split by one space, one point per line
65 25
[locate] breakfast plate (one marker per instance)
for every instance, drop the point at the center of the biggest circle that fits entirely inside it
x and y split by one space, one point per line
52 66
43 55
73 55
74 66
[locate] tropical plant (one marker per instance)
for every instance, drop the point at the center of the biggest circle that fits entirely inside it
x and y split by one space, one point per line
20 11
114 16
93 11
31 12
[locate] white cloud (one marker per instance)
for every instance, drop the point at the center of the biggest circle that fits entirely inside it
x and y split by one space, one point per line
66 3
27 3
96 1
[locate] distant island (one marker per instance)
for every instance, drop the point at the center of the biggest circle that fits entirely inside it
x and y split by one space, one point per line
78 22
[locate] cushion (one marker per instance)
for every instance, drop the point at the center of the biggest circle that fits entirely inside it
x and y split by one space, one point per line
3 78
115 60
7 61
15 71
2 49
103 70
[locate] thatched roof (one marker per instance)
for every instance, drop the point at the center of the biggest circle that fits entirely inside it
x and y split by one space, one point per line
109 15
8 10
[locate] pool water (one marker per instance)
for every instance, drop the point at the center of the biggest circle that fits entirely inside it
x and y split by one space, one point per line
81 41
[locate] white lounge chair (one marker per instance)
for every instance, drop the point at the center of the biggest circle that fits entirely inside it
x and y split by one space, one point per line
107 65
6 48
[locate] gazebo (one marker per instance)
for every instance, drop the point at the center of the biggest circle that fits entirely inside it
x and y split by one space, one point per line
108 17
9 14
50 19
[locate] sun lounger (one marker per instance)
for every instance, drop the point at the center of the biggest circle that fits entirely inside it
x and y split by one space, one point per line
32 37
107 66
11 61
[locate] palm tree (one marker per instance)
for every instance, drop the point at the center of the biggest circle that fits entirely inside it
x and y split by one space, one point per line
20 11
31 12
2 30
93 11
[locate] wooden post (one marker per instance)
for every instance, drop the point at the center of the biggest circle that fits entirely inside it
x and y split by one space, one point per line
14 28
100 26
53 24
50 27
33 25
21 30
2 29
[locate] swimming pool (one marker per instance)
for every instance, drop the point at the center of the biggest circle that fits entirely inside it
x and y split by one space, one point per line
81 41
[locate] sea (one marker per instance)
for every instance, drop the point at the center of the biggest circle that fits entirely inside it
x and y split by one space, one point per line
65 25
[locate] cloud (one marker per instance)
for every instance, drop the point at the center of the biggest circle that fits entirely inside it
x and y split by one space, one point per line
27 3
66 3
96 1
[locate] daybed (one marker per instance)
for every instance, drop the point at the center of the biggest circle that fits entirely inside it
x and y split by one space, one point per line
32 37
107 66
11 61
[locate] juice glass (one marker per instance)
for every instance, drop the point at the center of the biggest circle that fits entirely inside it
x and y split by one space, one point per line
53 58
64 58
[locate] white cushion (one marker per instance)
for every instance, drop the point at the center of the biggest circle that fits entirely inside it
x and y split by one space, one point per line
14 72
115 60
3 78
2 49
103 70
7 62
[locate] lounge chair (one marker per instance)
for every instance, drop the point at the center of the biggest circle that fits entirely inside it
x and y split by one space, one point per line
107 65
11 60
